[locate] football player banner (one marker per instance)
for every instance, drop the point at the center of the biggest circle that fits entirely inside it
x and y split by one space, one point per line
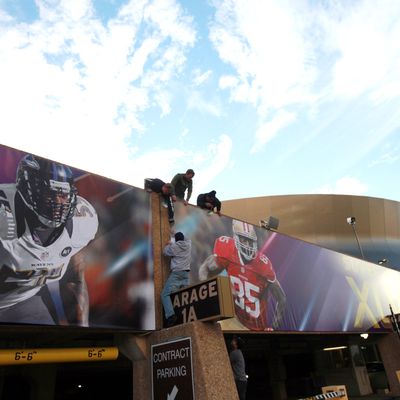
74 247
280 283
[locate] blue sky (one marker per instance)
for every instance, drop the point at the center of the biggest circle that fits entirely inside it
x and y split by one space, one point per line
259 98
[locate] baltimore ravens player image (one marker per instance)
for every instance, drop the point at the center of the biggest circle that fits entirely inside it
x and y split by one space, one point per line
251 274
43 226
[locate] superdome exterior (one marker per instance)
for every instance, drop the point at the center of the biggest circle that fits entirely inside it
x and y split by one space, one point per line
322 219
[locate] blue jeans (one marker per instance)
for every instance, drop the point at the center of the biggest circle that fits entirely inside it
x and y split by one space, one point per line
241 387
176 280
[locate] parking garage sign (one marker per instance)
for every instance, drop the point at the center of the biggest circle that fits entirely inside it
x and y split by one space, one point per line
172 372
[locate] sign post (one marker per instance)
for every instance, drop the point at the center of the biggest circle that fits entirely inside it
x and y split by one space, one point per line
394 319
172 370
210 300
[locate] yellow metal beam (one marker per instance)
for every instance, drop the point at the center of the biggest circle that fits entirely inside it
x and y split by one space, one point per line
59 355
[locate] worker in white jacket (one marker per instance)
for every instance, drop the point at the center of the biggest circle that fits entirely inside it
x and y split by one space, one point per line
180 253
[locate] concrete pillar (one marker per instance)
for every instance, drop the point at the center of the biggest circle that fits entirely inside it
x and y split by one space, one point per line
212 373
277 373
389 348
43 378
161 235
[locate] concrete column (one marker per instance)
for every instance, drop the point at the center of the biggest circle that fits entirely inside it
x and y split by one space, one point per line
277 373
161 234
43 378
389 348
212 373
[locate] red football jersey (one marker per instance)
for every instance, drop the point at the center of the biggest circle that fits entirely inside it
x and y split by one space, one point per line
248 282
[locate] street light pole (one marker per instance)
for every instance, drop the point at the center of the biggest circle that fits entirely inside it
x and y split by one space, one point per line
352 221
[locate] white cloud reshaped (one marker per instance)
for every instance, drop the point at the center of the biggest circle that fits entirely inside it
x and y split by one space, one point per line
264 43
217 158
344 185
388 154
387 158
268 130
365 35
200 77
207 164
197 101
291 54
73 88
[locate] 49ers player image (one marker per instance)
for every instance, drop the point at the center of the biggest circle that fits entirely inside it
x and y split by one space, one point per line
251 274
43 225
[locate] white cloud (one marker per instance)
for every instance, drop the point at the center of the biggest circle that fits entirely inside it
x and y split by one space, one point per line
389 157
212 106
292 55
264 43
217 158
365 36
4 17
207 163
344 185
160 163
200 77
169 19
76 9
228 82
163 99
268 130
185 132
53 10
274 65
73 89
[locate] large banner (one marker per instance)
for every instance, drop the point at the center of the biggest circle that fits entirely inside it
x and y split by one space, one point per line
74 247
283 284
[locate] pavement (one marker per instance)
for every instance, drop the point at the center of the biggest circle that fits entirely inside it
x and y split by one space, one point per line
375 396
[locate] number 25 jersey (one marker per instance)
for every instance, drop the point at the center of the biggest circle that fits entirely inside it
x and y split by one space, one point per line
248 282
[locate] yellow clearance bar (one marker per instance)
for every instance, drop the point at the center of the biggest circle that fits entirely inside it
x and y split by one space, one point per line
60 355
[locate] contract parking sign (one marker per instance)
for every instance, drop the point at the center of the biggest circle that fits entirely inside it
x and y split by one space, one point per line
172 371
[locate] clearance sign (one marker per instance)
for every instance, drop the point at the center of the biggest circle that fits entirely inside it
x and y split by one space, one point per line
62 355
172 371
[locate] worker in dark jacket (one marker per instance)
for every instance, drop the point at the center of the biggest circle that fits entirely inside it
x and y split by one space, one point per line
165 190
182 183
208 201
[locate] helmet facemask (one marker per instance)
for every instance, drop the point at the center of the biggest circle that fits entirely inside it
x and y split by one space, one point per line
246 246
245 239
52 200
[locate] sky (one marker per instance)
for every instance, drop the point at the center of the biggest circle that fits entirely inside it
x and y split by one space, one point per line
260 98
